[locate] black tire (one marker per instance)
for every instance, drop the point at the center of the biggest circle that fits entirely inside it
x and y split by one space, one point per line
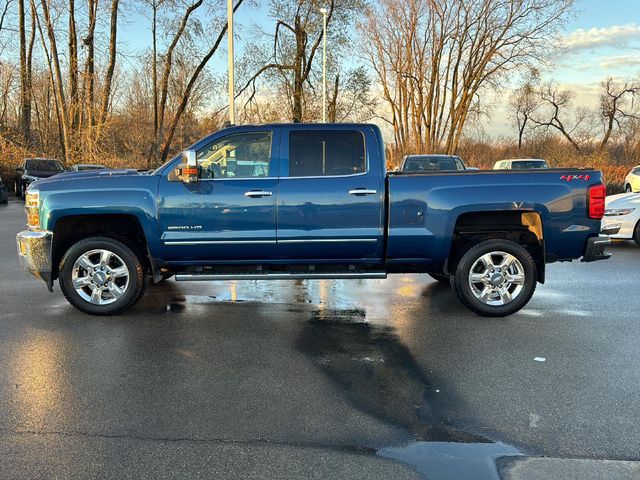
636 234
441 277
17 189
463 289
627 189
133 290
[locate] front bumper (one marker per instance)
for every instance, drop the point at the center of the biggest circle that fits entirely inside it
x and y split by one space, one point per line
595 249
625 229
34 252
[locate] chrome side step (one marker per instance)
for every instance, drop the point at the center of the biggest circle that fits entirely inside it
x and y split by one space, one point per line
277 276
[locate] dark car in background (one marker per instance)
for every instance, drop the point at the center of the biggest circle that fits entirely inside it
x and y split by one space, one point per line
432 163
81 167
4 195
32 169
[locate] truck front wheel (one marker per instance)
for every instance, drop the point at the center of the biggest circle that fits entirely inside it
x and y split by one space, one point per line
101 276
495 277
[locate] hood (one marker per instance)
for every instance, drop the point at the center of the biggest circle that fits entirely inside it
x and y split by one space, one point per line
85 175
623 200
97 173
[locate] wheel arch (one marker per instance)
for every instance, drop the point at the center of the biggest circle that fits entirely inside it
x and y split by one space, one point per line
126 228
521 226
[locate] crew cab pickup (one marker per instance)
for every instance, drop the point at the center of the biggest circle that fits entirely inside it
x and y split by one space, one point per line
306 201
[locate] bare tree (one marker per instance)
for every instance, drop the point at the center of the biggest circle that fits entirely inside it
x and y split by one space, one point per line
616 105
288 66
155 6
434 58
523 102
555 112
190 85
53 59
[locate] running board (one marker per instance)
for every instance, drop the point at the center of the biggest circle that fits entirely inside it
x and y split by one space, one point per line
277 276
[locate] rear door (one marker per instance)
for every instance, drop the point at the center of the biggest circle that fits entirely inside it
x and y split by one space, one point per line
331 195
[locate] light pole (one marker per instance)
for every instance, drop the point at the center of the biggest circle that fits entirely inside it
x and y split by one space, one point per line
232 107
324 12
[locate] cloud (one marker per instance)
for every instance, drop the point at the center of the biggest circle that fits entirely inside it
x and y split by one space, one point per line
619 61
614 35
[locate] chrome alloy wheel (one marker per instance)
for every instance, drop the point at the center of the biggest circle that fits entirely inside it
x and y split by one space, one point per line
100 277
496 278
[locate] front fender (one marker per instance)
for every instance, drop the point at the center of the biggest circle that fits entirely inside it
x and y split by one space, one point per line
135 202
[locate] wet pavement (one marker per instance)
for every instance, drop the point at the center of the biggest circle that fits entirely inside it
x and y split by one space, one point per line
316 379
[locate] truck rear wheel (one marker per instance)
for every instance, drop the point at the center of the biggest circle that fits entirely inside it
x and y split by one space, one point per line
495 278
101 276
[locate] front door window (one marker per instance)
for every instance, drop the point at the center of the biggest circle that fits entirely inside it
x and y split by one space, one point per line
240 155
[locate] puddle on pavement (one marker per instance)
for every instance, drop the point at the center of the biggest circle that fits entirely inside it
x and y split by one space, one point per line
452 461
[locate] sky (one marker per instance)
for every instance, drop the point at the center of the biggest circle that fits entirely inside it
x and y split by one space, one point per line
601 40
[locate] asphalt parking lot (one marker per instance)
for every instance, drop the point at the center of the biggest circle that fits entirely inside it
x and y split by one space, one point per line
319 379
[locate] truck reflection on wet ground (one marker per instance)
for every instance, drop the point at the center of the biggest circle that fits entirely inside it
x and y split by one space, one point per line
376 372
361 351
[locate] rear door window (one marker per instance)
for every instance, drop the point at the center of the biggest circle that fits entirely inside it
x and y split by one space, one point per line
317 153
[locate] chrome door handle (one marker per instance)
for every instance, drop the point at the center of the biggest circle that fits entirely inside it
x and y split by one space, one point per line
257 193
362 191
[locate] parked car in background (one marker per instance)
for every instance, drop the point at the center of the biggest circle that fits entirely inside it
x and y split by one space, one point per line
520 164
32 169
4 194
79 167
632 180
622 217
431 163
306 201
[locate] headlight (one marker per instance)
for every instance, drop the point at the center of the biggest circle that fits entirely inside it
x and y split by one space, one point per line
616 212
32 209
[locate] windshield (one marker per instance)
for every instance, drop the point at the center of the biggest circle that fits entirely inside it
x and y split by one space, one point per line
425 163
44 165
529 164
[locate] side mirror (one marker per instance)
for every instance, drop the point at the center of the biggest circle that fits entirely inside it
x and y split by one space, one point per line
188 170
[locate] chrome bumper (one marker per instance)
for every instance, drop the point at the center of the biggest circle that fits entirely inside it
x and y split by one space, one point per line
595 249
34 252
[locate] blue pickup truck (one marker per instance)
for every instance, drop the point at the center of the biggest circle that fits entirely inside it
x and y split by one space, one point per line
311 201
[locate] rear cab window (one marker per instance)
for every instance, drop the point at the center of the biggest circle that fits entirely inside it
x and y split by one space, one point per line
326 153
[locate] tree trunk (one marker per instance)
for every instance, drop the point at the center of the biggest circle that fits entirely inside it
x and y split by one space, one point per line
333 102
106 92
74 110
25 90
56 78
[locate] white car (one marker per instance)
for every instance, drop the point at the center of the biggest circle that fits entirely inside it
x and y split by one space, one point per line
622 217
520 164
632 180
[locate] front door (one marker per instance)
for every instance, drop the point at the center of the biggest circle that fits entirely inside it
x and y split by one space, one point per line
230 213
330 199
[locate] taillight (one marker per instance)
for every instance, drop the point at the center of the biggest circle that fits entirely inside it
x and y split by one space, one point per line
597 194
